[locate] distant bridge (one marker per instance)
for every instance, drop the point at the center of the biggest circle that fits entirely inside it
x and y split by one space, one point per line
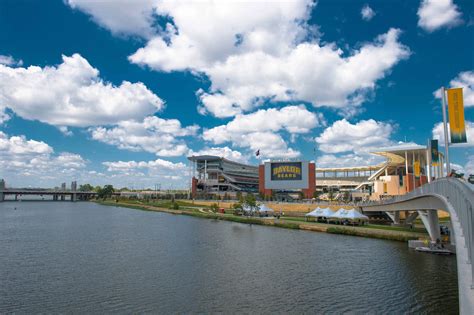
59 194
457 198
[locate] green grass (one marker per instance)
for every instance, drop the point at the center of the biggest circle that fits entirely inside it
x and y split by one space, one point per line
287 225
373 231
395 228
366 233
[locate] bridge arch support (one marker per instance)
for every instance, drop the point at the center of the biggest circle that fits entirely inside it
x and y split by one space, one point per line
457 198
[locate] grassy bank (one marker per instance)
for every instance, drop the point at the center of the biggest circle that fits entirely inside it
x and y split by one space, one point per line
371 231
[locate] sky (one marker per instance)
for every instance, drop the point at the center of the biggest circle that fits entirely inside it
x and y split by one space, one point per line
121 92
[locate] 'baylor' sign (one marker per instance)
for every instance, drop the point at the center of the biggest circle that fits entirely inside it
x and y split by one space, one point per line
286 171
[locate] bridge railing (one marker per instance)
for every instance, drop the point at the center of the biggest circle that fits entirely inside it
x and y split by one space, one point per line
459 194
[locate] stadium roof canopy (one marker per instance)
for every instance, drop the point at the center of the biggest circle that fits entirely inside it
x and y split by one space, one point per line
202 158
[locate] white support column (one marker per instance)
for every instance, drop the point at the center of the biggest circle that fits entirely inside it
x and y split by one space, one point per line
411 217
431 223
397 217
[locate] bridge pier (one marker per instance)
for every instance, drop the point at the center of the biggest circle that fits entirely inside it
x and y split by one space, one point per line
431 222
2 188
411 217
63 189
73 190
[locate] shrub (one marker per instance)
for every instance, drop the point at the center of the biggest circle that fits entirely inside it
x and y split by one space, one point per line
214 207
174 206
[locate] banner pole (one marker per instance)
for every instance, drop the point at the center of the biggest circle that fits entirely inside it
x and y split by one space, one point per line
445 124
428 161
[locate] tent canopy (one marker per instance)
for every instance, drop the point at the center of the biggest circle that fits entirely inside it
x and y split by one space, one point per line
353 214
320 212
349 214
264 208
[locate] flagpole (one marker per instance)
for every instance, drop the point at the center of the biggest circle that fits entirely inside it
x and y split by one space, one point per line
445 124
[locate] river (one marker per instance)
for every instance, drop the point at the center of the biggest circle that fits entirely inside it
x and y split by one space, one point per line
62 257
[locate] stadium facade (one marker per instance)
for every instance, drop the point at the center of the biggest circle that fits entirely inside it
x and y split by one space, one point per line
406 167
218 175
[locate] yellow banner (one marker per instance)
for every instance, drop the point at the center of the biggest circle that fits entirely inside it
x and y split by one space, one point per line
456 116
416 166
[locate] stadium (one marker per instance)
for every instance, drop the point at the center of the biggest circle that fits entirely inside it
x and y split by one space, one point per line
217 175
405 168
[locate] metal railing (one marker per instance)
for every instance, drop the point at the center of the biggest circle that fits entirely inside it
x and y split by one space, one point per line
459 194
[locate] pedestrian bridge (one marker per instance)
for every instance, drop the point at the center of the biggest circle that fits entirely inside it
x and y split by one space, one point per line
457 198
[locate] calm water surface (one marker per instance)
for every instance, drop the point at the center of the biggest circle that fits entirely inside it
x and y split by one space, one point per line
81 257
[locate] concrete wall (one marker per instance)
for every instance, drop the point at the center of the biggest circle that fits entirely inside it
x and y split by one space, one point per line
388 185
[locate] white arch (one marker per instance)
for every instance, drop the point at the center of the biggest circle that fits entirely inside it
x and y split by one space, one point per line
457 198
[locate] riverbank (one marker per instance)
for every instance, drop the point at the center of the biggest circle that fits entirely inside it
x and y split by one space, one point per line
371 231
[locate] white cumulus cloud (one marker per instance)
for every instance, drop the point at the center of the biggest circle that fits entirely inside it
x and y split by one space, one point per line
72 94
162 137
469 167
252 52
464 80
438 133
367 13
435 14
148 173
260 130
158 164
363 136
348 160
120 16
224 152
35 161
10 61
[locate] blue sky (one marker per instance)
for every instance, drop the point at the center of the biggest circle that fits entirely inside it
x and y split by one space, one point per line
121 92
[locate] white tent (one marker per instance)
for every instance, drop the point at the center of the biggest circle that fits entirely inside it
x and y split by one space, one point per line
339 214
264 208
353 214
314 213
320 212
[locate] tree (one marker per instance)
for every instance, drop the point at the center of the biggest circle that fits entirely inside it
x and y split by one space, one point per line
330 195
347 196
316 195
106 191
237 207
214 207
250 202
86 187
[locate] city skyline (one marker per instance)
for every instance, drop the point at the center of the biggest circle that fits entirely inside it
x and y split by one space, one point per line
85 96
